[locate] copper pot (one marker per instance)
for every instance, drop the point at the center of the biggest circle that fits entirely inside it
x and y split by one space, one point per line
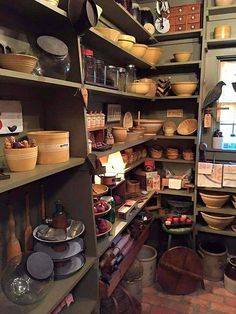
108 179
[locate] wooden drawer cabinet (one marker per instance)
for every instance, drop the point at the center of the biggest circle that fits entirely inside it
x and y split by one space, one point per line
193 8
180 20
192 26
193 18
180 28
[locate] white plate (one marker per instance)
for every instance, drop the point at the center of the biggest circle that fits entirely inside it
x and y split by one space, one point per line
73 248
56 241
72 266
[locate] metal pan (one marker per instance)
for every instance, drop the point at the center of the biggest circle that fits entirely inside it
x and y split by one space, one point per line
82 14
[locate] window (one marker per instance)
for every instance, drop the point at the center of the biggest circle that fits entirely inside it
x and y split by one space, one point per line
227 117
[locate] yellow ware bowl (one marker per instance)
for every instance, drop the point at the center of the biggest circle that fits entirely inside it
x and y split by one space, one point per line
152 126
182 56
18 62
140 88
127 37
21 159
187 127
109 33
222 32
139 50
184 88
217 221
214 200
53 146
223 2
152 55
53 2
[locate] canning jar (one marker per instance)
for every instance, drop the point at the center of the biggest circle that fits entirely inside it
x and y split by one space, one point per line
121 79
130 74
89 65
112 76
100 72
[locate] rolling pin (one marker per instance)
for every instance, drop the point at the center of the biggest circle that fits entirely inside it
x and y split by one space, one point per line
28 227
13 244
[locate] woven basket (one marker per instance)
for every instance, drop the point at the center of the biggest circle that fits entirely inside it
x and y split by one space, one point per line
156 153
187 127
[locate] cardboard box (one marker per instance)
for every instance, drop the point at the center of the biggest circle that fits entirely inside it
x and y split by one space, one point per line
229 176
153 180
209 175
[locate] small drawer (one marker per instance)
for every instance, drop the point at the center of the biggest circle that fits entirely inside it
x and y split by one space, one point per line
180 19
181 10
193 18
172 28
192 26
194 8
180 28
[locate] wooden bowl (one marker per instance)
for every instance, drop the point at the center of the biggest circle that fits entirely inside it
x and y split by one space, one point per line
152 126
140 88
109 33
182 56
223 2
214 199
184 88
99 189
217 221
187 127
126 41
222 32
132 136
21 159
152 55
139 50
18 62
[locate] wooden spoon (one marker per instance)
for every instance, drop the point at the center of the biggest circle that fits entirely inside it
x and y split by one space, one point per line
13 245
28 227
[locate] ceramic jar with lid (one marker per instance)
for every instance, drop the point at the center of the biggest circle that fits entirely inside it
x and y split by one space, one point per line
230 275
89 65
88 116
92 120
217 140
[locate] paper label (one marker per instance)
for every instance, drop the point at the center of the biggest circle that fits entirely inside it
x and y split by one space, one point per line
175 113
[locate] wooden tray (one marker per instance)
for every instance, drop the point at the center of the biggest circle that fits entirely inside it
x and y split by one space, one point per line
105 291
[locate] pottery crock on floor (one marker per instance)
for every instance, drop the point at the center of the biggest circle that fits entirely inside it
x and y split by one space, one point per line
215 299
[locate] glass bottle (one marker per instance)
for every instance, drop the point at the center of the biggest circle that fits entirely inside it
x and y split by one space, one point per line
100 72
130 74
121 79
111 76
89 65
59 220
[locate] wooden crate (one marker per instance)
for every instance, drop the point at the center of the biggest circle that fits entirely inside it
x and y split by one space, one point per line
105 290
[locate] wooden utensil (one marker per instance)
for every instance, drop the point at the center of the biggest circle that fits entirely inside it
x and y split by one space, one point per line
28 227
43 209
13 245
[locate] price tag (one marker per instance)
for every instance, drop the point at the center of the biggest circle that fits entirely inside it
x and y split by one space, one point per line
175 113
207 120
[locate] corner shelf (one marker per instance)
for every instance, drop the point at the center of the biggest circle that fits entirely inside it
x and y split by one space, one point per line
223 189
176 97
226 232
119 16
176 137
182 192
119 147
221 43
173 65
134 165
122 56
224 210
119 226
177 161
179 35
18 179
221 10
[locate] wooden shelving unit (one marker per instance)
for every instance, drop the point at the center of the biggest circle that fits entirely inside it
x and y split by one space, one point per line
182 192
224 189
176 137
206 229
224 210
214 10
177 161
221 43
172 65
179 35
176 97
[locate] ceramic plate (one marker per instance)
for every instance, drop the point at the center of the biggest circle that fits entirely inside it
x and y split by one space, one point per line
128 120
35 234
103 213
108 230
71 266
73 248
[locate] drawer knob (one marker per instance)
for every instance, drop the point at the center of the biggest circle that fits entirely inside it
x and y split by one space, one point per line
180 28
193 8
180 10
192 26
193 17
180 18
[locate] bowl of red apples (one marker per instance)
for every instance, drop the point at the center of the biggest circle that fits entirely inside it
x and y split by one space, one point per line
103 226
177 221
100 207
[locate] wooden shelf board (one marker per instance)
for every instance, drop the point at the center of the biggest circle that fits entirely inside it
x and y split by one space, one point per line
215 43
176 97
119 147
226 232
119 226
134 165
114 92
121 56
120 17
97 129
81 306
41 171
214 10
223 189
190 64
224 210
180 161
179 35
228 151
182 192
8 76
176 137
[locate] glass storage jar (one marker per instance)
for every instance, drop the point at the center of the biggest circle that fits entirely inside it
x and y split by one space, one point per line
112 76
100 72
121 79
89 65
130 74
54 59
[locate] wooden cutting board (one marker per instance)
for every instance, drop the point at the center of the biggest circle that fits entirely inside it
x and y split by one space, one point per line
128 120
180 271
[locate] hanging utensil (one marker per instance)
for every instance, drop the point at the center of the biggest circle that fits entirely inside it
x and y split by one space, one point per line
28 226
13 244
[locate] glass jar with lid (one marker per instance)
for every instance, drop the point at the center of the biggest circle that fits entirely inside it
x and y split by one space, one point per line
89 65
112 76
130 74
100 72
121 79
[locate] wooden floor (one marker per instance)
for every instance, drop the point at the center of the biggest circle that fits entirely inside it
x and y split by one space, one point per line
213 300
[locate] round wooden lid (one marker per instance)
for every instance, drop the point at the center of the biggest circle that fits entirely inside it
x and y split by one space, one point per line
52 45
